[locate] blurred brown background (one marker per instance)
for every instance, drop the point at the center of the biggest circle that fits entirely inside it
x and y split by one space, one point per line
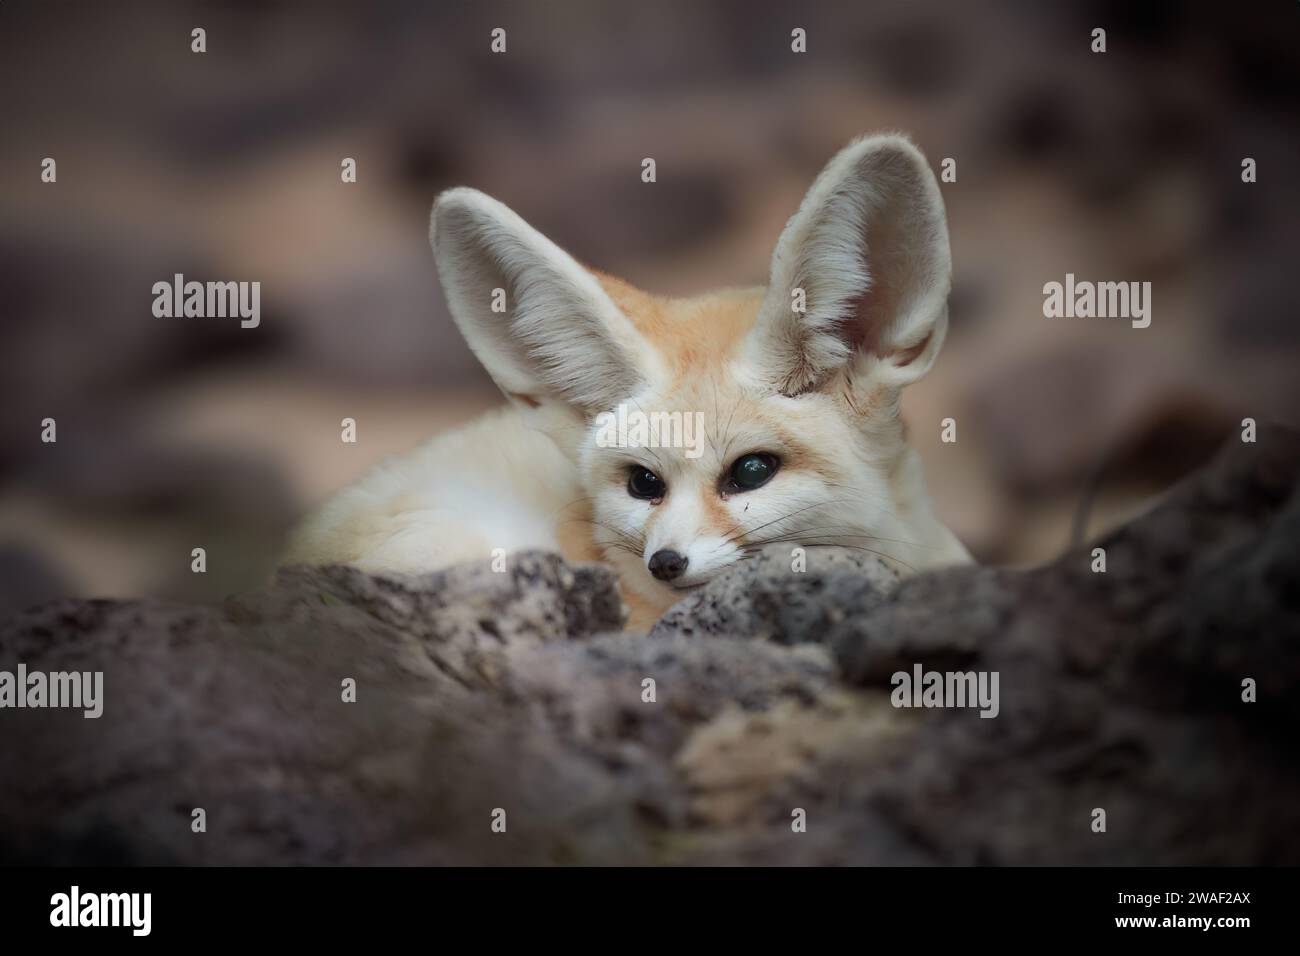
176 433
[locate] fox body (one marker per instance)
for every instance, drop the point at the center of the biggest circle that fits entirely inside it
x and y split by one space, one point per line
794 389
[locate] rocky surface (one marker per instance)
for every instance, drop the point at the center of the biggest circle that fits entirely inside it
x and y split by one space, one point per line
478 691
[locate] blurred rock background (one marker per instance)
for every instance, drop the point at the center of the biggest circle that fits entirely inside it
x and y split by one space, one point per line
175 433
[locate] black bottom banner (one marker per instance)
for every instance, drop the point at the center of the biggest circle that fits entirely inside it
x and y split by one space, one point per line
340 906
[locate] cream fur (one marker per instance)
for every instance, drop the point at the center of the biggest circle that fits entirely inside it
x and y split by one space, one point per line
818 390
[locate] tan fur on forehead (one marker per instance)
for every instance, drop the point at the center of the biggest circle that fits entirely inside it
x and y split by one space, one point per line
803 453
694 335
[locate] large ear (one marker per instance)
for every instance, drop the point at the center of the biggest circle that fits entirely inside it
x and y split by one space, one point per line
538 321
869 250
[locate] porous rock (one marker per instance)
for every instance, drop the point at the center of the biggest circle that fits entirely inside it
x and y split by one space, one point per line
515 697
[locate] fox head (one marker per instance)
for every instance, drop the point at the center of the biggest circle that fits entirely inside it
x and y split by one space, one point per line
704 428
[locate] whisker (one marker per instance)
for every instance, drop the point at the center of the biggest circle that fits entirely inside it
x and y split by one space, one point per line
727 431
575 501
632 539
847 534
862 500
786 517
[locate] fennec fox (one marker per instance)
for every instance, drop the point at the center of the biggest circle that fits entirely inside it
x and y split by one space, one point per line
671 437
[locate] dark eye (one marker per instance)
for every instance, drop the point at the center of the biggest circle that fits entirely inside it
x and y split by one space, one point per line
752 471
644 483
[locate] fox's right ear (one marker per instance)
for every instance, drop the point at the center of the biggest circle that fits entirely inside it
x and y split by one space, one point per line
860 274
539 322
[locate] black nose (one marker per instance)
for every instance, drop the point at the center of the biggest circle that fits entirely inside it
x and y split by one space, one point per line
666 565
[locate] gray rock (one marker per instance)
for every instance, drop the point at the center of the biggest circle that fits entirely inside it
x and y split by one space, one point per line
766 599
1120 690
479 692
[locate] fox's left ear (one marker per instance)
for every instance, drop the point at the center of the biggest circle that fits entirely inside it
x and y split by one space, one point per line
866 259
541 324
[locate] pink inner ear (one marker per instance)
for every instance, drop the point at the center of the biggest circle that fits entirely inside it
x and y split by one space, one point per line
868 318
872 311
908 356
865 330
865 327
